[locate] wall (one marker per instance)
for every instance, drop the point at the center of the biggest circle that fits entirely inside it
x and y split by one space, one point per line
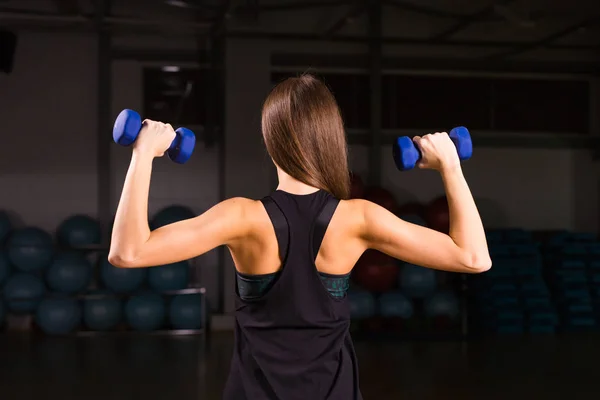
48 114
513 187
194 184
48 165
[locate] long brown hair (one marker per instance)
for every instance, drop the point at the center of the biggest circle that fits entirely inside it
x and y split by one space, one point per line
304 134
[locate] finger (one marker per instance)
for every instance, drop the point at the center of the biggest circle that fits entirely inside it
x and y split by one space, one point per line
417 139
421 164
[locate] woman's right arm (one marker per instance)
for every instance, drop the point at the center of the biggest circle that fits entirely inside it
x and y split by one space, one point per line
464 249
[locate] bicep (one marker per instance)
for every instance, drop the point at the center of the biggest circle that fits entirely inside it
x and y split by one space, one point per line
412 243
190 238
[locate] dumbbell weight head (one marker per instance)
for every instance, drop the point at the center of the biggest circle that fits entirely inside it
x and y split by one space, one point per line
182 147
406 154
462 140
126 128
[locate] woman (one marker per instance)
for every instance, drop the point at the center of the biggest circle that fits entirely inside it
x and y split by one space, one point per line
294 249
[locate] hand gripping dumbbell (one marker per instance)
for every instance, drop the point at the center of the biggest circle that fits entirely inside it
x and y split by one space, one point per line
407 155
128 125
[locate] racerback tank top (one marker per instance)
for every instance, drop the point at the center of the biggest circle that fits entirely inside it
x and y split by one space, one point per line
293 342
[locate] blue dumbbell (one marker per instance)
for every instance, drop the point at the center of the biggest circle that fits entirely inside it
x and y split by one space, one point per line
128 125
407 155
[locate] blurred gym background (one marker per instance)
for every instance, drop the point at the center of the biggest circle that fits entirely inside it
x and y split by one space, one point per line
522 75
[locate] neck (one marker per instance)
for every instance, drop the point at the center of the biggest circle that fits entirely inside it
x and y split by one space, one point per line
292 185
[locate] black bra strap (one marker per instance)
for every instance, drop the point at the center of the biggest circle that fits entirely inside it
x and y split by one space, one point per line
280 225
322 222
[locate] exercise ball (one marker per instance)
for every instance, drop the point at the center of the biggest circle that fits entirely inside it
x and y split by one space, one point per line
443 304
5 268
69 273
357 186
145 312
57 316
362 304
102 312
414 219
171 214
30 249
375 271
417 282
5 226
169 277
412 208
121 280
185 311
382 197
79 231
395 305
23 292
437 215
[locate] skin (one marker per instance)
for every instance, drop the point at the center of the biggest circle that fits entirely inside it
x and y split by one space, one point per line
244 227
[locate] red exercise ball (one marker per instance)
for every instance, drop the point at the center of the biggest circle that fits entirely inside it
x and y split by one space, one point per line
376 272
412 208
382 197
437 215
357 186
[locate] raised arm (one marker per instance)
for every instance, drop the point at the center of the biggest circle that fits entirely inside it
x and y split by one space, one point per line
134 245
463 250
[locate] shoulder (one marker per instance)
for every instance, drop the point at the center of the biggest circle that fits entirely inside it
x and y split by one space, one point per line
362 216
238 207
243 213
352 212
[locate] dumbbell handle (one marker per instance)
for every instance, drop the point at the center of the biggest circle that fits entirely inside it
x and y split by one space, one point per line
407 155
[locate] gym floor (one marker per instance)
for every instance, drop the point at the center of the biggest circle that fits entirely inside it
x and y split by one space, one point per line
159 367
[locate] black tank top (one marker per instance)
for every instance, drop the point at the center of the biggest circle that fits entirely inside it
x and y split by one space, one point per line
293 343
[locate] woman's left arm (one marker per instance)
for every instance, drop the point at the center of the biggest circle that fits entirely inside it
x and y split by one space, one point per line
134 245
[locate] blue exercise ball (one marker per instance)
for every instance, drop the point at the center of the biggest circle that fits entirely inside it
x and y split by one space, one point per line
58 316
169 277
145 312
414 219
30 249
171 214
23 292
185 311
443 304
417 282
5 226
69 273
102 312
121 280
79 231
395 305
5 268
362 304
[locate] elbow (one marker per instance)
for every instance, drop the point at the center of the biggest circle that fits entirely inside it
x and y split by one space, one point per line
121 260
479 264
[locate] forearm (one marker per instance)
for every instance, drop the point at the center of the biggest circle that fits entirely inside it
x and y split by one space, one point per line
131 230
466 228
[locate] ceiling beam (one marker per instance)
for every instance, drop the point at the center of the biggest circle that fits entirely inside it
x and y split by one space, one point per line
302 5
468 20
548 40
425 10
357 8
399 40
67 7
